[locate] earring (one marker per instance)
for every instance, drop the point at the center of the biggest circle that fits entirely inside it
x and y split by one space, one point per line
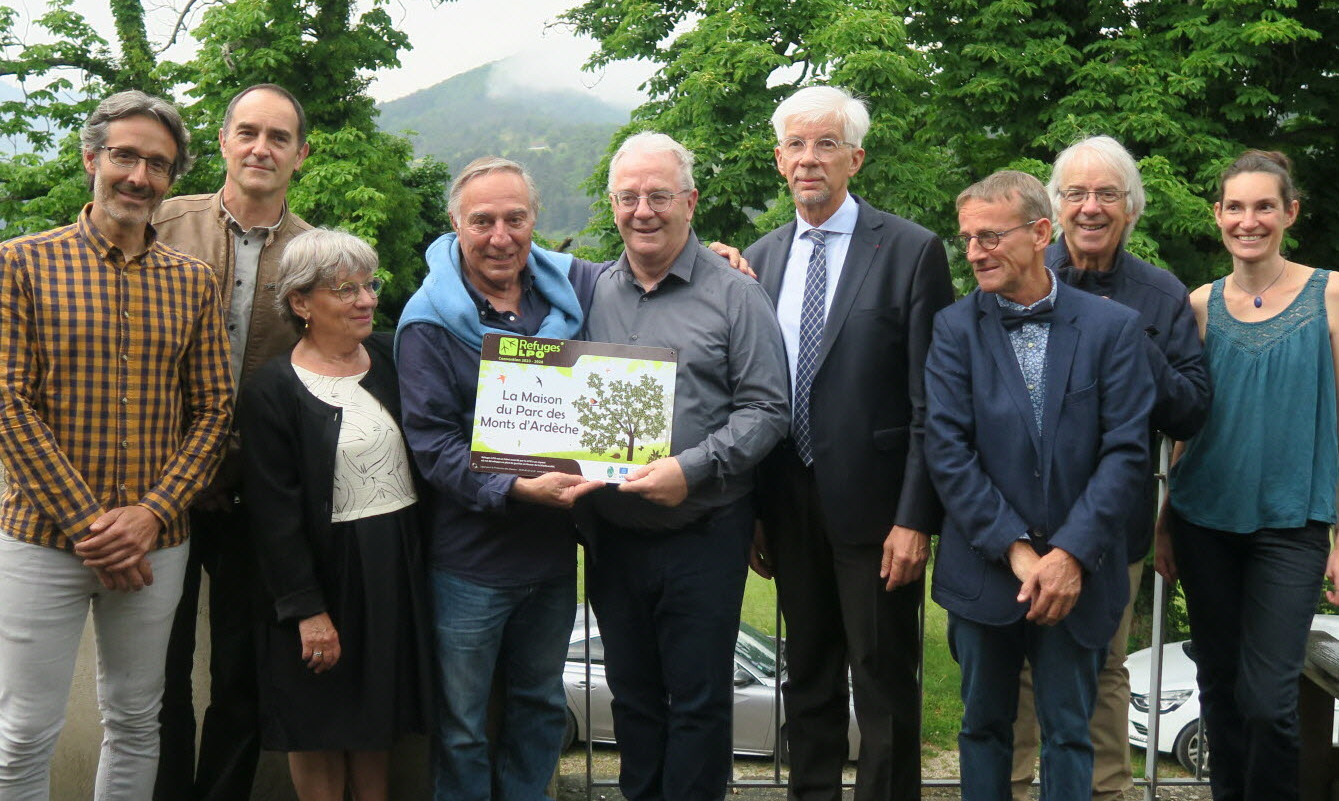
306 323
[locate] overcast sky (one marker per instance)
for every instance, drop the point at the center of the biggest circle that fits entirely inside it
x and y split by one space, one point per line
448 38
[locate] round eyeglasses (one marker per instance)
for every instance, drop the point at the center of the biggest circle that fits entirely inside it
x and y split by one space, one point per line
989 240
825 149
349 291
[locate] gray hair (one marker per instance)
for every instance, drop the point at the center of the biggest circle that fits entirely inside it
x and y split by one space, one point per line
319 256
1019 188
134 103
652 142
1110 154
487 165
820 104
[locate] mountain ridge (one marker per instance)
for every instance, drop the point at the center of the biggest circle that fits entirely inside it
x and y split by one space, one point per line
558 134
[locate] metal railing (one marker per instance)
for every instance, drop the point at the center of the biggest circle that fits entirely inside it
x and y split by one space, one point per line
1150 781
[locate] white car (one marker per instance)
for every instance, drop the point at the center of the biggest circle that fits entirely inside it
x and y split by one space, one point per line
755 693
1179 708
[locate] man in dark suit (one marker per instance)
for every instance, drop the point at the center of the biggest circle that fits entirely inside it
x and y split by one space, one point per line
845 502
1038 398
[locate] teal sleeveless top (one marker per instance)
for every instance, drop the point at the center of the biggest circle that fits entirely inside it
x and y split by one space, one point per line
1268 454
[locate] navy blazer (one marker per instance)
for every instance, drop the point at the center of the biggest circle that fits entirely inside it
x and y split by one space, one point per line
867 403
1074 483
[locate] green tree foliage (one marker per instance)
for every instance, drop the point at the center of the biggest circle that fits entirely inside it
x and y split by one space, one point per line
35 188
620 414
357 178
721 80
960 88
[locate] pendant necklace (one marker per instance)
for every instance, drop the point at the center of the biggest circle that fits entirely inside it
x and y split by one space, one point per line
1259 296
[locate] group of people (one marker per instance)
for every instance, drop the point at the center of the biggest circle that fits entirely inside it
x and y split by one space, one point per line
829 418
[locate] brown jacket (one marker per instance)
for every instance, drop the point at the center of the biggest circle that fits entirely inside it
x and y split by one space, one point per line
197 225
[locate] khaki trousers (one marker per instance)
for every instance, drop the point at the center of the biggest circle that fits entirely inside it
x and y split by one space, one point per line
1109 728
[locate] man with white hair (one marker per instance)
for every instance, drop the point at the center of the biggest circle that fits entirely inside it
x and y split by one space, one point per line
846 502
1098 197
670 551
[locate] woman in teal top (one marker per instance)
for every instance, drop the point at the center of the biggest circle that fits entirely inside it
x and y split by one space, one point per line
1253 493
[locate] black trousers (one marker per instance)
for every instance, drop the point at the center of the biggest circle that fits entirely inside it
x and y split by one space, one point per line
230 740
837 616
1250 598
668 607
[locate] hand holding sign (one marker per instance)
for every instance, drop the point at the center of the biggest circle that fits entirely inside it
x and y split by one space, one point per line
559 490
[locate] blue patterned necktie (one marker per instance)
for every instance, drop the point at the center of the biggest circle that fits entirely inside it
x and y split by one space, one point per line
812 314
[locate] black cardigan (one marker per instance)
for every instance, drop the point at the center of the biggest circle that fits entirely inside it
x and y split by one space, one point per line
289 439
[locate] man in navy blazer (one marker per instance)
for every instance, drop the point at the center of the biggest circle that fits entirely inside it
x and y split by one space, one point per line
846 502
1038 398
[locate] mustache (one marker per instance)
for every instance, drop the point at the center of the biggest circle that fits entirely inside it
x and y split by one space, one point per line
143 192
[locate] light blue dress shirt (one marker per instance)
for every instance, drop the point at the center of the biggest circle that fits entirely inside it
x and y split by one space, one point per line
837 239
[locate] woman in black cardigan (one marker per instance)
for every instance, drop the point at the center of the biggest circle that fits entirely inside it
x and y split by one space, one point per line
331 498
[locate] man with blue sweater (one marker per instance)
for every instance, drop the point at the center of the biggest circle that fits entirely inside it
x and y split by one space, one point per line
1098 197
502 549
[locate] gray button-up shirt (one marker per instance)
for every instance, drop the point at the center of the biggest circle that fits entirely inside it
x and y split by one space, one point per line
731 395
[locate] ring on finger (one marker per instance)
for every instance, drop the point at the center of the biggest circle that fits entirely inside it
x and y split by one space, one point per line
316 654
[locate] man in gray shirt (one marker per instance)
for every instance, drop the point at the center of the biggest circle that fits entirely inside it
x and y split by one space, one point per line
671 545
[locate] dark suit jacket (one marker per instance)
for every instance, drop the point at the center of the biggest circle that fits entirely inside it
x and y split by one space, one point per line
867 404
1074 484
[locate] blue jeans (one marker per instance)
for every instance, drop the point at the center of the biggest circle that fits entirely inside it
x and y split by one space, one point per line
524 631
1250 598
668 606
1064 676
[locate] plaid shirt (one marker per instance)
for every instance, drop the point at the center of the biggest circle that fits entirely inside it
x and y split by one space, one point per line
116 388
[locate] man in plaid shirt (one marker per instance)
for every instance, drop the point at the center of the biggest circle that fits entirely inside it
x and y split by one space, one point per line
115 396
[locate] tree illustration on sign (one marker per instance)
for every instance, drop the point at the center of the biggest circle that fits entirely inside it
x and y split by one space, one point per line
620 412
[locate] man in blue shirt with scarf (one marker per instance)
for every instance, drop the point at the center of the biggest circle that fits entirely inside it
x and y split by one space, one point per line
502 549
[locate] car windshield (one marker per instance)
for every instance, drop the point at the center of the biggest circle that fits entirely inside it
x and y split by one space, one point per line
758 649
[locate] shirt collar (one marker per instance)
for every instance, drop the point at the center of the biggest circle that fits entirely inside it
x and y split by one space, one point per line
482 303
103 246
1049 300
842 220
231 222
682 268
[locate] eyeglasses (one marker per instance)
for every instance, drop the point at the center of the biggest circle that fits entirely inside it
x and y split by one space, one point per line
658 201
1106 197
349 291
989 240
824 149
129 159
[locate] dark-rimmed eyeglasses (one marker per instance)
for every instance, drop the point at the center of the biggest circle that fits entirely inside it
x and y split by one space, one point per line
129 159
989 240
349 291
658 201
824 149
1106 197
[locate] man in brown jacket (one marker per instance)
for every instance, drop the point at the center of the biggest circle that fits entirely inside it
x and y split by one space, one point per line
240 231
